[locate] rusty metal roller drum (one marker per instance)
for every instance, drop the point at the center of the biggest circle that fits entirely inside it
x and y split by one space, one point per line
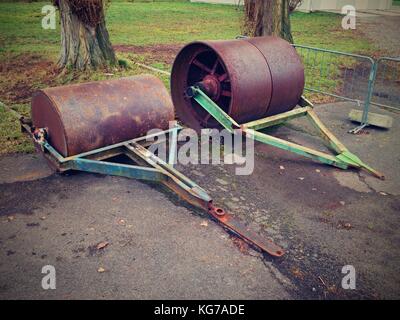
248 78
287 72
88 116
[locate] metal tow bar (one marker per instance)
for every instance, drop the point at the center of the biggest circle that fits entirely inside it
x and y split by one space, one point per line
233 225
197 196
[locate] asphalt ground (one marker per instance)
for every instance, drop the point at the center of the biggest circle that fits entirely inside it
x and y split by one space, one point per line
117 238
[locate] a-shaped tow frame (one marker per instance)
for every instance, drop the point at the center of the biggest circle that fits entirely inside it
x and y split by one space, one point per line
148 166
341 157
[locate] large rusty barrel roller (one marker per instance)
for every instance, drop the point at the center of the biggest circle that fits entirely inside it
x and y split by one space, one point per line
248 78
84 117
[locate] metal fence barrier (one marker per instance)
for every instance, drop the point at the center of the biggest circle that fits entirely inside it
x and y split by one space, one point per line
338 74
386 90
352 77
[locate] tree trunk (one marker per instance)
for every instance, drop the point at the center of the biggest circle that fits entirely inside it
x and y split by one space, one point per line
267 17
83 46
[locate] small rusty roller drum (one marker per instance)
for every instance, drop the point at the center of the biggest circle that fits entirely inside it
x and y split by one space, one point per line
88 116
248 78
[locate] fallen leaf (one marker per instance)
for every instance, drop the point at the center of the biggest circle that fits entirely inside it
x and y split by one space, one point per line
347 225
241 245
297 273
332 289
102 245
101 270
204 224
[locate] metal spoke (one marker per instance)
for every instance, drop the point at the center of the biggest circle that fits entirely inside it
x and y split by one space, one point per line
226 93
202 66
215 66
223 77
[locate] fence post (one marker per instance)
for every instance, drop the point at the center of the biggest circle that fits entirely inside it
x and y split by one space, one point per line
383 84
371 82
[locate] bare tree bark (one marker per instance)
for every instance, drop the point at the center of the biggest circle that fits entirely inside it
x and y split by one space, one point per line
85 42
269 17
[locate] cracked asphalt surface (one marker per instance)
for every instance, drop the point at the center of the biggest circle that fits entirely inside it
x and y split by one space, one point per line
161 248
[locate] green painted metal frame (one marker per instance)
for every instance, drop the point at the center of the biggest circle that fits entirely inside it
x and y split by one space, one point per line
342 158
152 168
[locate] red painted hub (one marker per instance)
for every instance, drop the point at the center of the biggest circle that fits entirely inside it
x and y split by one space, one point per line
211 86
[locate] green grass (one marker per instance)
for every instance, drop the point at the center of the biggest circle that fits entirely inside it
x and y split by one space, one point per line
11 138
133 23
147 23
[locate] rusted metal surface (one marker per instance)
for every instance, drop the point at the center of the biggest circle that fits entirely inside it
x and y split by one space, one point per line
287 72
245 233
88 116
248 78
